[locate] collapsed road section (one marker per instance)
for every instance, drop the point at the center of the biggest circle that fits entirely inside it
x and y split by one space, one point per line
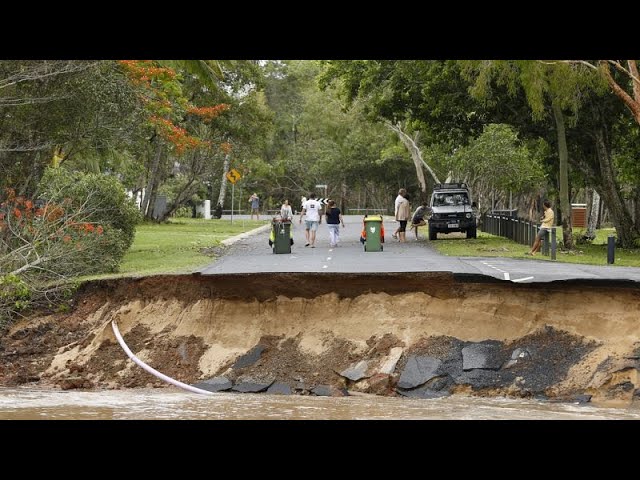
418 335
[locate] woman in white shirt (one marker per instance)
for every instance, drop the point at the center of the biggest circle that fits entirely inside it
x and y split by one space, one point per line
285 211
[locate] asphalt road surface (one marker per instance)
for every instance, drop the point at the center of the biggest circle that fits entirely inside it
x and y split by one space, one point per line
252 253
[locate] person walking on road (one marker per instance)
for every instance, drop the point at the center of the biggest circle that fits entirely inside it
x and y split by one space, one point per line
547 223
401 193
285 211
403 213
254 200
334 219
311 209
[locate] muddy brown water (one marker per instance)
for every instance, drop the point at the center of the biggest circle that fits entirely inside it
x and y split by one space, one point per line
170 404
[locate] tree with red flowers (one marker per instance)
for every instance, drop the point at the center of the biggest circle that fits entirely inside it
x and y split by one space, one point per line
42 246
79 224
174 119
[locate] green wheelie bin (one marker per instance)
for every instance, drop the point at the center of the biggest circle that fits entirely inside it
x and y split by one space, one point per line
281 236
373 237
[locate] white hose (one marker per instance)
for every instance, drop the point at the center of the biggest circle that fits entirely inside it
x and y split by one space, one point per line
153 371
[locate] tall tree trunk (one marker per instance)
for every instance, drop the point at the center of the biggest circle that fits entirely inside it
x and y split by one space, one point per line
223 183
594 214
152 201
625 228
565 205
151 181
636 205
181 198
416 156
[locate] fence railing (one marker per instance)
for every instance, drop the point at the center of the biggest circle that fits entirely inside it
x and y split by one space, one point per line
236 212
275 211
366 211
349 211
520 231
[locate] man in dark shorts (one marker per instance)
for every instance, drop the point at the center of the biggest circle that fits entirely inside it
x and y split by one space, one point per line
403 213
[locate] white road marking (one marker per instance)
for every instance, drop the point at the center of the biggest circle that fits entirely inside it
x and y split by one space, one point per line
504 272
521 279
328 258
325 266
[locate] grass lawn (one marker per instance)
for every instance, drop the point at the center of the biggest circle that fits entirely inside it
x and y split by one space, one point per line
487 245
174 247
602 234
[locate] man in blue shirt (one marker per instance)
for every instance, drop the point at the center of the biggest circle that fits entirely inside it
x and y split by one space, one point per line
254 200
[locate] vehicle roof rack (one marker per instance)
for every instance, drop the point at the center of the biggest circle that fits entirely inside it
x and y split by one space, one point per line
443 186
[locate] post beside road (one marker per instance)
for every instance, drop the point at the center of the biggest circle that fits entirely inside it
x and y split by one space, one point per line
611 249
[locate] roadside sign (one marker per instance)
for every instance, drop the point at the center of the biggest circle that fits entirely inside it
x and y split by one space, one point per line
233 175
321 186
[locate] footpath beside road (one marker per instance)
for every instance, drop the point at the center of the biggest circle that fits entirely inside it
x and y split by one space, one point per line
251 253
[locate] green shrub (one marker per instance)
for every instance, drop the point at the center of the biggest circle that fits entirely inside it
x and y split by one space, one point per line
183 212
107 204
15 296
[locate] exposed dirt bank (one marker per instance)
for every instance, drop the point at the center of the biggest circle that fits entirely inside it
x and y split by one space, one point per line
411 334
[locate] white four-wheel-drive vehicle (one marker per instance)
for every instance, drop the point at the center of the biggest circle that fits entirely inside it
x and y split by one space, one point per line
451 210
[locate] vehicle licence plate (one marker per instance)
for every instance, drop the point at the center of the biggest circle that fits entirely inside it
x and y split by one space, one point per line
454 225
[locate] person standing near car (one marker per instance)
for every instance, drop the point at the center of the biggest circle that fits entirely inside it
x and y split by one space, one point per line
401 193
418 217
403 213
311 209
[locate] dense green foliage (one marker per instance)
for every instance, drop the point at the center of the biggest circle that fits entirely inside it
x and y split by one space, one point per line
565 113
516 131
107 205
